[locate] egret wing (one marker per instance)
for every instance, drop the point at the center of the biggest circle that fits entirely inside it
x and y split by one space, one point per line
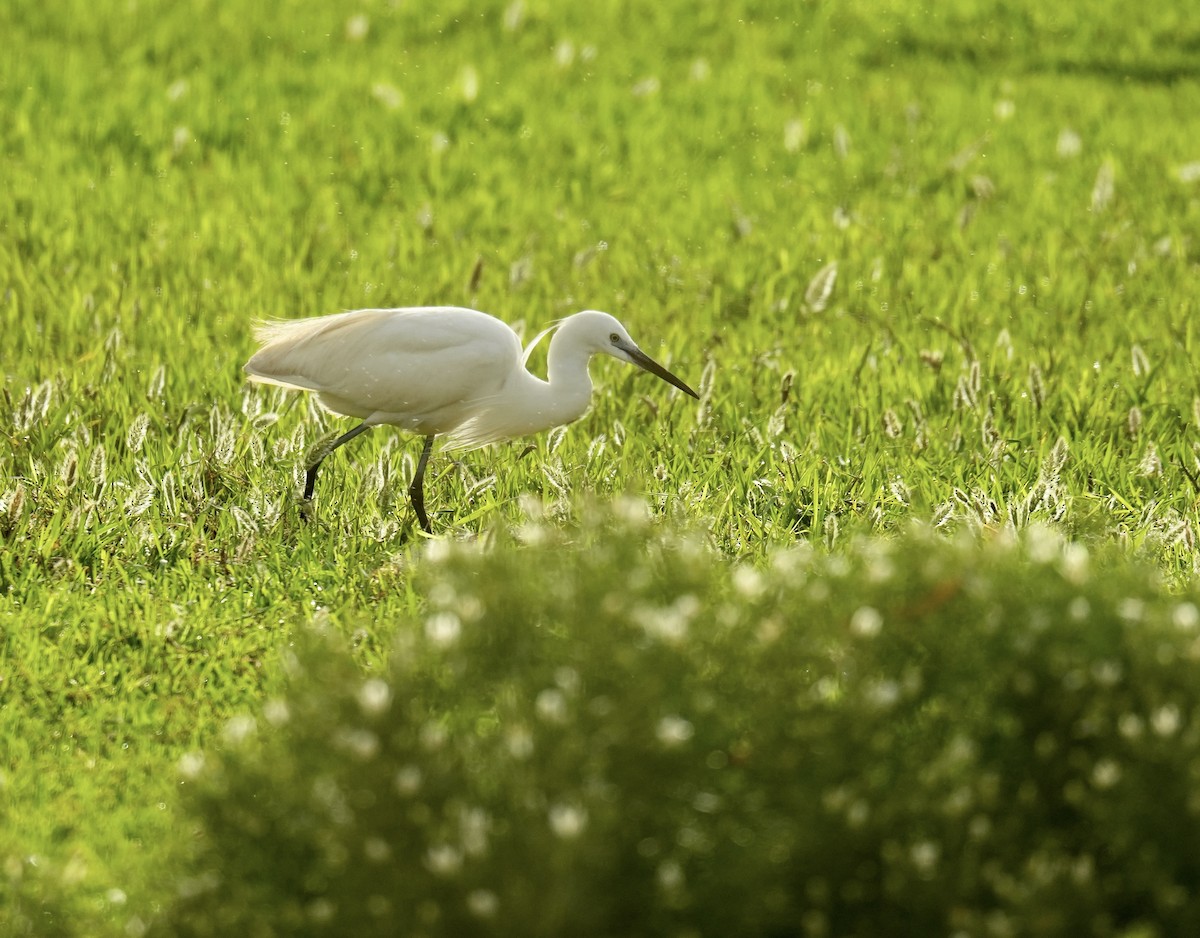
390 362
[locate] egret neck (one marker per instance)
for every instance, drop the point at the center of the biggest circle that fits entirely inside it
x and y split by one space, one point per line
565 396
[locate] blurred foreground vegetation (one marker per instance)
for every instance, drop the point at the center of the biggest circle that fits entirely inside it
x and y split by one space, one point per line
610 731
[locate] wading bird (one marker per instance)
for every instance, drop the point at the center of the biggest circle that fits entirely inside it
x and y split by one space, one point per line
439 371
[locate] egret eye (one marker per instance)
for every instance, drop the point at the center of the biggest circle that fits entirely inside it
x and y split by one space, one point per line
614 339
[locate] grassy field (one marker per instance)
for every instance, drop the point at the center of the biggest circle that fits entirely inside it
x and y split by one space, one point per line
924 265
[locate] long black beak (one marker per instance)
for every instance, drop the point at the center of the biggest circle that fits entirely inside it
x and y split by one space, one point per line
642 360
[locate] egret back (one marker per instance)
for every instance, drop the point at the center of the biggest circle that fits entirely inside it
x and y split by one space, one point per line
419 368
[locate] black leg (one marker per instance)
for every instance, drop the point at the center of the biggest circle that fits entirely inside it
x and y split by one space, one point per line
310 479
416 491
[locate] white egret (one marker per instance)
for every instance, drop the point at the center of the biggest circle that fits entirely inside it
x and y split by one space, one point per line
439 371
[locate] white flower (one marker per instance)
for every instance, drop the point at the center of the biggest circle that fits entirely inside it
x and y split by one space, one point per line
567 820
673 730
866 622
374 696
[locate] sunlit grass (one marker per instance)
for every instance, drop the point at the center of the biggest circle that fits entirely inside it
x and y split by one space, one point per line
935 266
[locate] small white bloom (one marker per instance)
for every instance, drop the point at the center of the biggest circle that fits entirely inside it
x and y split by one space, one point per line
361 743
238 729
276 712
376 849
191 764
1106 773
670 876
1069 143
520 742
567 820
407 780
884 694
674 730
1186 617
925 855
748 582
443 628
1166 720
564 53
357 27
374 696
483 903
444 859
866 622
552 705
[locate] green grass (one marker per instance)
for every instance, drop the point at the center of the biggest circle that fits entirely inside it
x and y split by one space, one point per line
1009 194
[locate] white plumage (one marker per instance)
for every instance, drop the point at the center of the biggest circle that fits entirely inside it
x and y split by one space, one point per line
439 371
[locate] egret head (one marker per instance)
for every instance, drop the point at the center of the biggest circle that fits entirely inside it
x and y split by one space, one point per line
603 333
